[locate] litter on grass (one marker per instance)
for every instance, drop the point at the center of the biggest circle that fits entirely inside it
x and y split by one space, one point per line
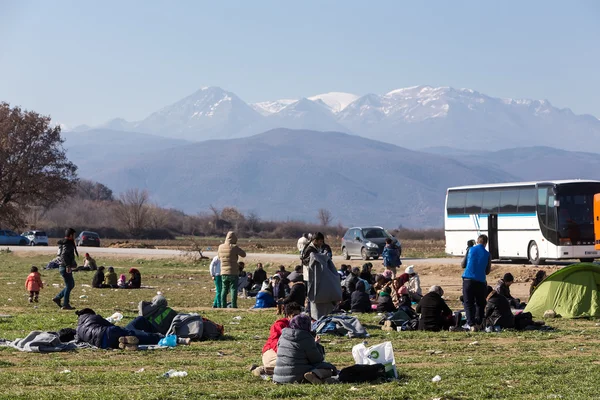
139 371
436 379
238 318
175 374
66 371
475 343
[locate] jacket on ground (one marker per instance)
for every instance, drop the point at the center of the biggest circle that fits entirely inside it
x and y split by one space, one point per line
434 312
33 283
360 302
229 254
297 354
91 329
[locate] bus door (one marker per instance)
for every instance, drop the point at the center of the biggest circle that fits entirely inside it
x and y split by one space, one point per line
597 220
493 236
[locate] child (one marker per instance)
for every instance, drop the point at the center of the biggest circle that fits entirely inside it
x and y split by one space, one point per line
33 284
111 278
122 283
384 302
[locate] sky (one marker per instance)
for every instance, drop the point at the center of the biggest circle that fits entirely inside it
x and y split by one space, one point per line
85 62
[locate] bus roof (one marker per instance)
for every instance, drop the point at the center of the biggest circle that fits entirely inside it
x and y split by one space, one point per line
517 184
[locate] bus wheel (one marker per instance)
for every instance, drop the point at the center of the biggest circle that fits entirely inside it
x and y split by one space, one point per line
586 260
534 254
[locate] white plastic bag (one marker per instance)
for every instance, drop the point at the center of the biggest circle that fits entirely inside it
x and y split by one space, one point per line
379 354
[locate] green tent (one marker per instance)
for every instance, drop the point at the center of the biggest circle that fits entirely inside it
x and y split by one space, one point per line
573 292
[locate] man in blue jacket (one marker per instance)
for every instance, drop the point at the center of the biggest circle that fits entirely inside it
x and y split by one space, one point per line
477 264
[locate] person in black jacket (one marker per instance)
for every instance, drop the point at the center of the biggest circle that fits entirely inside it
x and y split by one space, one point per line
384 301
365 273
435 313
67 251
503 288
498 311
98 279
97 331
360 302
297 290
260 275
135 281
352 280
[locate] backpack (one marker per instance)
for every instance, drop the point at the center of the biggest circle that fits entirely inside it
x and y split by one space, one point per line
362 373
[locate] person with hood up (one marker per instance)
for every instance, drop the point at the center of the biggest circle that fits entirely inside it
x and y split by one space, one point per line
264 298
229 254
122 282
269 351
153 317
98 279
111 278
435 313
97 331
300 357
135 280
324 291
414 284
67 251
215 273
260 275
360 302
539 278
302 242
89 262
391 256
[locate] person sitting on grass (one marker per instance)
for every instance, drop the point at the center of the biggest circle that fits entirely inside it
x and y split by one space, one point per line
435 313
539 278
399 289
97 331
269 351
122 282
297 289
414 284
300 357
110 278
89 262
503 289
260 275
384 301
344 271
352 280
98 279
497 310
264 298
360 301
365 273
135 280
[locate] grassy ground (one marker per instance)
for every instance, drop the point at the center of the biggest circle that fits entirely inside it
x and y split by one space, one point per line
529 365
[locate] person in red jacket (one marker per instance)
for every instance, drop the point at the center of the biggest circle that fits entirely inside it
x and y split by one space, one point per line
269 351
33 284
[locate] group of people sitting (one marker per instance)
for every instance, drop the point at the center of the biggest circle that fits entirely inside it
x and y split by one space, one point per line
281 289
109 280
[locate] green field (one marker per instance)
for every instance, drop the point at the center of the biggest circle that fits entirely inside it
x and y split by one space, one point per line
530 365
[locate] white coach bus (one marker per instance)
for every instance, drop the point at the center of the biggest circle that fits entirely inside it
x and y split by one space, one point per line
526 220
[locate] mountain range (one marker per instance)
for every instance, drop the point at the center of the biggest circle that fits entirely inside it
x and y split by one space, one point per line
287 173
415 117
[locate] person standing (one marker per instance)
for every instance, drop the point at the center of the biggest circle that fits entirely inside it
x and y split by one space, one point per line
215 273
33 284
67 251
302 242
229 253
477 264
391 256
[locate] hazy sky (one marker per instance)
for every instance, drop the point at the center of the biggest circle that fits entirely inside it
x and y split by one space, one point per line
89 61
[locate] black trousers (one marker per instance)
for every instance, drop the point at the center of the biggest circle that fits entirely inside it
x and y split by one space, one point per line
474 299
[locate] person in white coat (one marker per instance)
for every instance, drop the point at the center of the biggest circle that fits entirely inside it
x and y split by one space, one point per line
414 284
303 241
215 273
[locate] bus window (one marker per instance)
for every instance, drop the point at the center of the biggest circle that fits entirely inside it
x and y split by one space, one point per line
456 203
541 207
473 203
527 201
551 213
491 202
508 201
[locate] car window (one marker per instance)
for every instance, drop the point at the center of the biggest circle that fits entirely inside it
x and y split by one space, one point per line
38 234
374 234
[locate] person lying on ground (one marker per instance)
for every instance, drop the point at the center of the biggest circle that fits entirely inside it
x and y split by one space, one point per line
503 289
153 317
297 289
89 262
269 351
135 280
435 313
497 310
300 357
264 298
98 279
414 284
360 302
539 278
97 331
384 301
110 278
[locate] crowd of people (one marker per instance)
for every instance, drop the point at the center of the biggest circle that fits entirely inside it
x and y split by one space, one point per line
314 289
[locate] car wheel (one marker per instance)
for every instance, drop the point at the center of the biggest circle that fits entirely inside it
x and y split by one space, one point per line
363 254
376 258
586 260
345 254
23 242
534 254
32 243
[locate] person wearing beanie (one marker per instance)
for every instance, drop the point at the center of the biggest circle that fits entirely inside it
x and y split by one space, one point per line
503 289
414 284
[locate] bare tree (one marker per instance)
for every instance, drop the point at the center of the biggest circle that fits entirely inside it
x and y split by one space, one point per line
158 218
132 211
34 169
324 217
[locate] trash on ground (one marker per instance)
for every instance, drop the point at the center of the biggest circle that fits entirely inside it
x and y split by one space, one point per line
83 296
139 371
475 343
175 374
116 317
238 318
66 371
85 285
436 379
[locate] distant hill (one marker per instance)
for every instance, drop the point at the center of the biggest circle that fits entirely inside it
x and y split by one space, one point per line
292 173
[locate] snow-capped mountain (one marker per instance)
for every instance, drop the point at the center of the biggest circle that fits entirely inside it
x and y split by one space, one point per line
414 117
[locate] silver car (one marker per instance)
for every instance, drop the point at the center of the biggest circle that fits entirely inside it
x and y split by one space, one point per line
36 238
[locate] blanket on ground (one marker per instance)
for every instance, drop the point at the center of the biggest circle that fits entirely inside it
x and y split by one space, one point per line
43 342
342 325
